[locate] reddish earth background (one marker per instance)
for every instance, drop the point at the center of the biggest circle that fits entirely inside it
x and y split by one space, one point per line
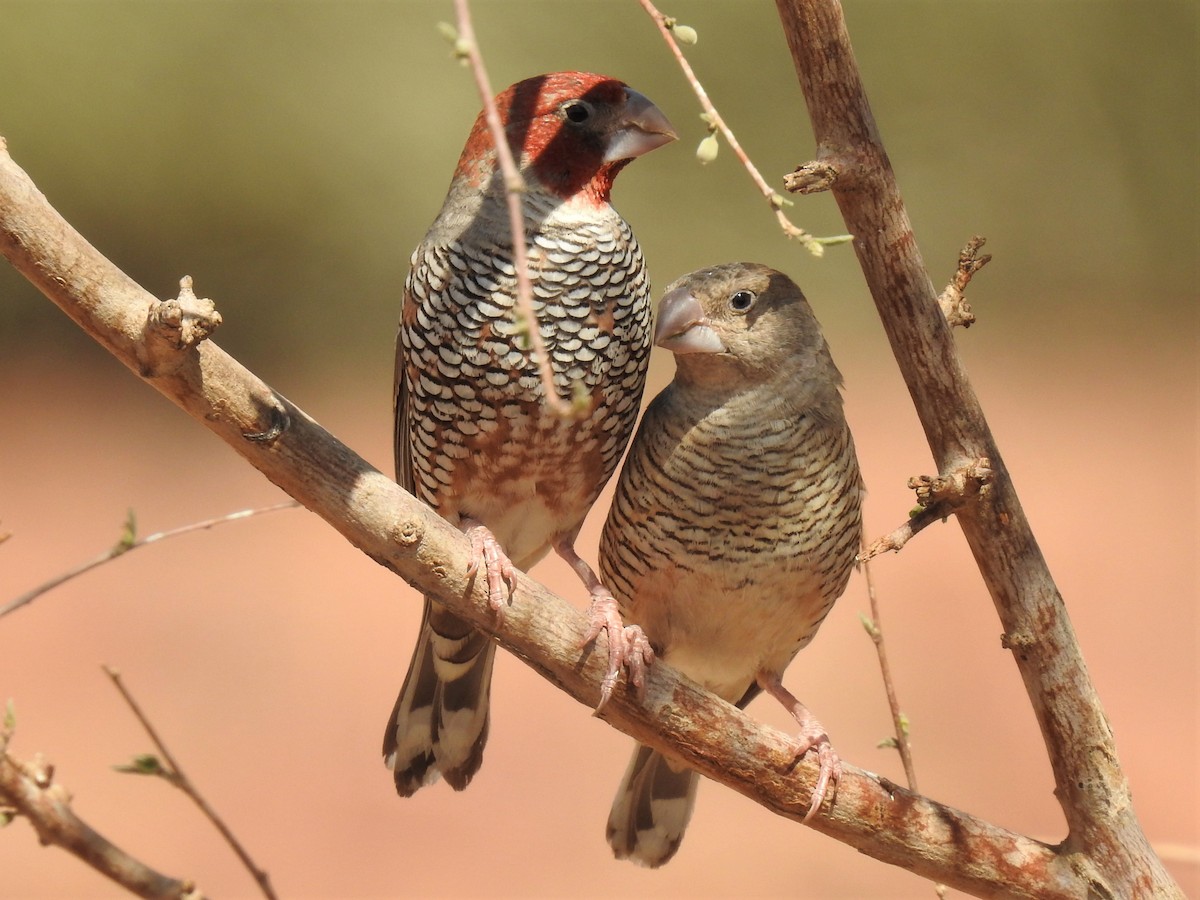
268 653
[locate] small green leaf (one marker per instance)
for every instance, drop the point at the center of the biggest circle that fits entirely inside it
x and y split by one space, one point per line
581 399
869 625
521 332
685 34
10 716
143 764
834 239
128 534
888 743
448 32
904 724
708 149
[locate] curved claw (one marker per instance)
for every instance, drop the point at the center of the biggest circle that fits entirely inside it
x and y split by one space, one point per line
497 567
831 771
811 735
628 646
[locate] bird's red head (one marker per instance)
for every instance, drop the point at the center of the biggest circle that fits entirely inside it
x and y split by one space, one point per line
571 132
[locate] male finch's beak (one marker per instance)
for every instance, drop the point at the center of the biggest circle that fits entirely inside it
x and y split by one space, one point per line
642 128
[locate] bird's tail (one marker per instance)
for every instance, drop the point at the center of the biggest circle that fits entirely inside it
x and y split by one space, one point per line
440 722
651 809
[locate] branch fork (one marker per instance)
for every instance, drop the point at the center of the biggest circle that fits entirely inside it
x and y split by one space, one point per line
954 489
938 496
29 790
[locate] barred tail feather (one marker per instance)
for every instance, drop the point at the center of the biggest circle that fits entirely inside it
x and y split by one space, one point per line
439 724
652 808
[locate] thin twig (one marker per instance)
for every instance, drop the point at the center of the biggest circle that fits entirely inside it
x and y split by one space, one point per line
514 189
875 630
175 776
938 496
814 245
895 540
899 721
127 543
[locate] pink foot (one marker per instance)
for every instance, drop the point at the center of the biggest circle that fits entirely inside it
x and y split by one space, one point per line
486 551
811 736
628 646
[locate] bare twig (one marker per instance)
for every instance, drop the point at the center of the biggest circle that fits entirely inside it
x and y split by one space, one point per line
128 542
514 188
540 628
175 775
952 300
896 539
814 245
30 790
937 498
874 628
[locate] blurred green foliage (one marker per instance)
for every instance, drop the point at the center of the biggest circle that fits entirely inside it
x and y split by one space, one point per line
289 155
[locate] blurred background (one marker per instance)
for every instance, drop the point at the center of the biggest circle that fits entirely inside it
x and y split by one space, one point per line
289 155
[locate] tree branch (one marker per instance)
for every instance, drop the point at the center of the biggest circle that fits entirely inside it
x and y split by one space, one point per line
1105 843
402 534
32 792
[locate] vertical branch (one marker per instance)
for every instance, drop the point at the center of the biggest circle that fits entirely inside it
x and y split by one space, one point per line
1105 836
875 630
899 726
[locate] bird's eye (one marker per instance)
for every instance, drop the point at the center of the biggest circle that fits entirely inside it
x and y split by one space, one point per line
577 111
741 301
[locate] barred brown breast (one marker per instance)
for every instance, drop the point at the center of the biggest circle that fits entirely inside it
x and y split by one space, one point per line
736 519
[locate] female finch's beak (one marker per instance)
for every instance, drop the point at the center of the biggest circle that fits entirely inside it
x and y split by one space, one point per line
682 326
640 128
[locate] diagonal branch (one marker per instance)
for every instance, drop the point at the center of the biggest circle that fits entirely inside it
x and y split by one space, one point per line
30 789
814 245
1105 840
397 531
